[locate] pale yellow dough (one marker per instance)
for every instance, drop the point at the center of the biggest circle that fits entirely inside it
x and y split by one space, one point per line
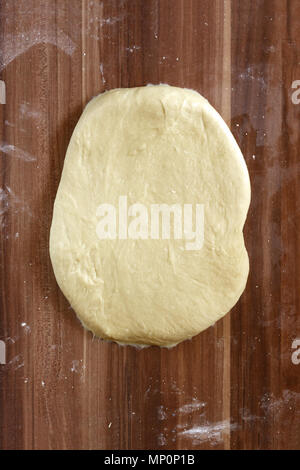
155 144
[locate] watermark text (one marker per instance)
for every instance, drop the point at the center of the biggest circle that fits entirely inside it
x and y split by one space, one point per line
161 221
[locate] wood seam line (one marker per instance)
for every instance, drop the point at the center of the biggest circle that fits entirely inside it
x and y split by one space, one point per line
84 9
226 111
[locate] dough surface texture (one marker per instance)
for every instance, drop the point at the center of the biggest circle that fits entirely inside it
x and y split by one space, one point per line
155 145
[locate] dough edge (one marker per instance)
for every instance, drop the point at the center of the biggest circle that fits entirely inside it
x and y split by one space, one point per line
95 329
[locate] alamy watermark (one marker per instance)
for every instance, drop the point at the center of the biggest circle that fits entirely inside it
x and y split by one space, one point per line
2 352
296 353
296 93
160 221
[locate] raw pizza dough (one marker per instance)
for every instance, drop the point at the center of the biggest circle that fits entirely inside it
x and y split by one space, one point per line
155 144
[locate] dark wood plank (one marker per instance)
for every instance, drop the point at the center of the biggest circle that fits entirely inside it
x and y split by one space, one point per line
265 395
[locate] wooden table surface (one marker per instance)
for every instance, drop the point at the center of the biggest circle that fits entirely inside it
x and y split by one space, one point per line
235 386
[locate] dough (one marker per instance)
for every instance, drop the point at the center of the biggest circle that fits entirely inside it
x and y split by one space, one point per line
151 145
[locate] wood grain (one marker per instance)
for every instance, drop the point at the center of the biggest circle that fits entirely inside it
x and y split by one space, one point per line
234 386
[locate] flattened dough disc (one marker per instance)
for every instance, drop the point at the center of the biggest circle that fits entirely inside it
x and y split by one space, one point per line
155 144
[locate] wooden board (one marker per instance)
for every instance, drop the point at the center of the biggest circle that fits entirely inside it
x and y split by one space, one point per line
235 386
